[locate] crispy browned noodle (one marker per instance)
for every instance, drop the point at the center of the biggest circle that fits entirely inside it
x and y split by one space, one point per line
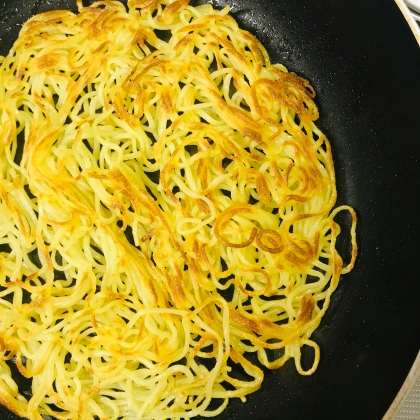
170 215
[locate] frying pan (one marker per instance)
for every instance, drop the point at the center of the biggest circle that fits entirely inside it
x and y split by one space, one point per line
364 63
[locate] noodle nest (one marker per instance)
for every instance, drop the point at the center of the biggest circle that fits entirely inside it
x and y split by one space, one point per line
166 214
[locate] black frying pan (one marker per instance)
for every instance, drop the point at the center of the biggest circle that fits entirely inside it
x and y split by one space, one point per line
365 65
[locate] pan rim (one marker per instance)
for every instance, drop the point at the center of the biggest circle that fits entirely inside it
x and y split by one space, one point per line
414 373
409 18
402 395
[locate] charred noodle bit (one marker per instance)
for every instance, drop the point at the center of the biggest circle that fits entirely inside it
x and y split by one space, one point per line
123 297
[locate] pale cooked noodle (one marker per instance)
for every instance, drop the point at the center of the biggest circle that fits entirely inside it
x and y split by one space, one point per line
168 218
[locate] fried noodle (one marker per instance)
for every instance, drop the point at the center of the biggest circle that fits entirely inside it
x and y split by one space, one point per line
166 214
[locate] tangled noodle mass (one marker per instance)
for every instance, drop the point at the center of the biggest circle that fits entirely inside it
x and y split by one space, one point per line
165 214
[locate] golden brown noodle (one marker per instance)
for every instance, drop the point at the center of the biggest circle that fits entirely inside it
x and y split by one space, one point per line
169 217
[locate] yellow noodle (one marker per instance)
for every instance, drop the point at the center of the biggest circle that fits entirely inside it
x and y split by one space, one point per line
173 198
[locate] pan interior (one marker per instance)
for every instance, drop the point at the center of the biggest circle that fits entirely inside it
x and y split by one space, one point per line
363 62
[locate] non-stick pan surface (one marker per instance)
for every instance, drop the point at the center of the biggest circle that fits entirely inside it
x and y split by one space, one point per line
365 66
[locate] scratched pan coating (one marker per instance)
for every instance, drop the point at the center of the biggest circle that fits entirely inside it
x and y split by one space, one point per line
365 66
